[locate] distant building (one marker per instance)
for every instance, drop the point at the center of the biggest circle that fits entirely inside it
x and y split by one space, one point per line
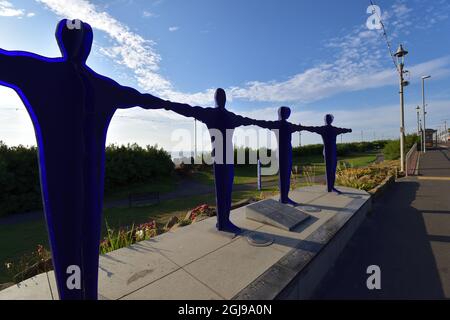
430 138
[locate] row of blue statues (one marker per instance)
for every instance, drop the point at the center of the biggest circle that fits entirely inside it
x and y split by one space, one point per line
71 107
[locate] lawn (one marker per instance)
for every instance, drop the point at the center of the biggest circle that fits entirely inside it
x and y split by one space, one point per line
162 184
245 174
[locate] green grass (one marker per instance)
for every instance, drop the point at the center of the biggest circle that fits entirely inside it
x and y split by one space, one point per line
246 174
162 184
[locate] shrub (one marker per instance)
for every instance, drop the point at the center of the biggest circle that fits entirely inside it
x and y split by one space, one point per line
125 237
342 148
20 189
391 150
365 178
29 265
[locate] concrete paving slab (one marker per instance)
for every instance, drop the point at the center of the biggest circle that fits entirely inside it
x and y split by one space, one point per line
174 287
188 244
35 288
128 269
331 202
54 289
231 268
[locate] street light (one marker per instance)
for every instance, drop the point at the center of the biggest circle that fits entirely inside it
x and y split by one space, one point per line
419 129
418 117
424 112
400 55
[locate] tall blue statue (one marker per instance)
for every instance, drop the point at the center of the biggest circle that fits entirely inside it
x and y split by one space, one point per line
329 134
71 107
221 124
284 130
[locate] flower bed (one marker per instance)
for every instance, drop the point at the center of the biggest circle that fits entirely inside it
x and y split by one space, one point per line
125 237
366 178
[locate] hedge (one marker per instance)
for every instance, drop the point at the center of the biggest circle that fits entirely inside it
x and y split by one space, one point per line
125 165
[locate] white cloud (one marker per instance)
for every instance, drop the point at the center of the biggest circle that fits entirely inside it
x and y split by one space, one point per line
129 49
7 9
359 60
172 29
148 14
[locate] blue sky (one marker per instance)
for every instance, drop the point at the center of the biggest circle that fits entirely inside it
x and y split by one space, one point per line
314 56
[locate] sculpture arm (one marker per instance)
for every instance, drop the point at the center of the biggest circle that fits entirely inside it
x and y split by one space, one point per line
318 130
16 66
297 127
238 121
186 110
343 130
128 98
271 125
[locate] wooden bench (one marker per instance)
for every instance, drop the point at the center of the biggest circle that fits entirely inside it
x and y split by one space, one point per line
142 199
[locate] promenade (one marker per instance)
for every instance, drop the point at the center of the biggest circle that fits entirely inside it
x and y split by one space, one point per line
407 235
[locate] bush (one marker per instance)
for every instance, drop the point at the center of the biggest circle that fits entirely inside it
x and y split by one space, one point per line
20 189
132 164
342 148
391 150
125 237
365 178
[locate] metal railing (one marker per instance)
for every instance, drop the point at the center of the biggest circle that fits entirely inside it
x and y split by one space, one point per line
411 160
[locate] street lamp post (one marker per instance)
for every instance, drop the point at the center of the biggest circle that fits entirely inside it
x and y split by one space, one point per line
195 140
418 117
400 55
424 113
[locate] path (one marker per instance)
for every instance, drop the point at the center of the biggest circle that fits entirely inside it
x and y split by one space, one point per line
407 235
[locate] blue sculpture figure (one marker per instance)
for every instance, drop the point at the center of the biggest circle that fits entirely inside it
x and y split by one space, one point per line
71 107
284 130
329 134
219 122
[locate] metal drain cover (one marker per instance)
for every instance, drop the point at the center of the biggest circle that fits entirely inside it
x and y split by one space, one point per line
259 240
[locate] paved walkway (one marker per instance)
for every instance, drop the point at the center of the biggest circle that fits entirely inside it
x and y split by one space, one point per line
407 235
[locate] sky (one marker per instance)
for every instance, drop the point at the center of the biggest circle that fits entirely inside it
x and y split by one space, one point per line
316 57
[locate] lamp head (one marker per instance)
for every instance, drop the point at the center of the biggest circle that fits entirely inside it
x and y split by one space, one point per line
400 54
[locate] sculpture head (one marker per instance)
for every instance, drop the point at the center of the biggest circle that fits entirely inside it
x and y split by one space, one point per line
284 113
221 98
74 39
329 119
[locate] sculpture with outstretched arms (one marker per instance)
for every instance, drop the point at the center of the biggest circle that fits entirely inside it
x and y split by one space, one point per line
221 124
329 134
284 130
71 107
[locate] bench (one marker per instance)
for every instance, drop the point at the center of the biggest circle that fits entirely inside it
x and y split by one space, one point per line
142 199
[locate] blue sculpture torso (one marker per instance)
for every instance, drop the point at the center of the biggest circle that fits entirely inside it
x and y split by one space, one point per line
329 134
221 124
70 107
283 131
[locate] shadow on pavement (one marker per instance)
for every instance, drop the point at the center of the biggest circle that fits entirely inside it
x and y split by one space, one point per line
395 238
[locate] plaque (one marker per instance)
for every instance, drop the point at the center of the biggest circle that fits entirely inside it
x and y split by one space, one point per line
276 214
